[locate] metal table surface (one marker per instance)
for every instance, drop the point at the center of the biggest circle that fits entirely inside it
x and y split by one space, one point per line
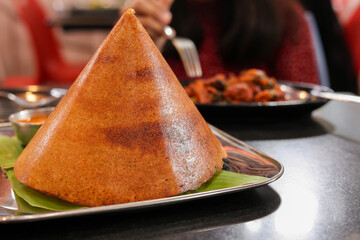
318 197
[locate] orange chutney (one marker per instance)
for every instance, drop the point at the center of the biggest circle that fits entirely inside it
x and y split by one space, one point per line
36 119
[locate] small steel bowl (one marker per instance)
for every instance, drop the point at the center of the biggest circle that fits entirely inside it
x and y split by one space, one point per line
26 130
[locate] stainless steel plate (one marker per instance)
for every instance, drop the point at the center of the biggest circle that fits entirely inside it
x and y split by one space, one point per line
241 158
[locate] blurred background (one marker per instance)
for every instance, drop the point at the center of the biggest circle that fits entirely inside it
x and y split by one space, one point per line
77 41
17 56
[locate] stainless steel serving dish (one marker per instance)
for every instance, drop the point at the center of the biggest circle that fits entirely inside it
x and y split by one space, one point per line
26 130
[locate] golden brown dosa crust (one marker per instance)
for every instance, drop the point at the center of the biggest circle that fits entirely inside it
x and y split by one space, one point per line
125 131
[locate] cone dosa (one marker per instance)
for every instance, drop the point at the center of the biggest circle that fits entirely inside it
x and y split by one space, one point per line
125 131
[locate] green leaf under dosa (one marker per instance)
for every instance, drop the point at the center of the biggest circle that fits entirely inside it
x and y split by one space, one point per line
36 198
10 149
225 179
25 208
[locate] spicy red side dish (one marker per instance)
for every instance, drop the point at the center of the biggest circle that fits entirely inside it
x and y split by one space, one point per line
252 85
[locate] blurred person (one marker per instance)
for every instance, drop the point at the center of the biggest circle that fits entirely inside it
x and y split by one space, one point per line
15 48
17 51
2 71
341 69
232 35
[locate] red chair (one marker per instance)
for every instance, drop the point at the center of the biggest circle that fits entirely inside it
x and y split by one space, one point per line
14 81
51 66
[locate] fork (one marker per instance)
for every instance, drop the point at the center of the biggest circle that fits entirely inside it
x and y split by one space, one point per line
187 51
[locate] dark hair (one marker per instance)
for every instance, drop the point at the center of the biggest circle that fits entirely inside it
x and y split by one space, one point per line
251 30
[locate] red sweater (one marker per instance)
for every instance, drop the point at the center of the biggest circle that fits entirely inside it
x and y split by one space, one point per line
295 60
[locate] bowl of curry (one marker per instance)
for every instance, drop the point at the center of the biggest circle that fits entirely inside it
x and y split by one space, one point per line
27 122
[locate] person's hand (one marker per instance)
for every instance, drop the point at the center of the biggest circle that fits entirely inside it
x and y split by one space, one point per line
154 15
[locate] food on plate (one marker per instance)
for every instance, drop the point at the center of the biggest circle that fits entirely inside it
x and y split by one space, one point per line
252 85
34 120
125 131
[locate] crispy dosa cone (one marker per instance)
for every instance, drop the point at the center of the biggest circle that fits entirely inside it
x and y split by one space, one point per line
125 131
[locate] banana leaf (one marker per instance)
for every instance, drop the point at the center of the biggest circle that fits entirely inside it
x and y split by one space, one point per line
225 179
36 198
25 208
10 149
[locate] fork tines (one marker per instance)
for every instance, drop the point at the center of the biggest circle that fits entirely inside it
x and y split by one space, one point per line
189 56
